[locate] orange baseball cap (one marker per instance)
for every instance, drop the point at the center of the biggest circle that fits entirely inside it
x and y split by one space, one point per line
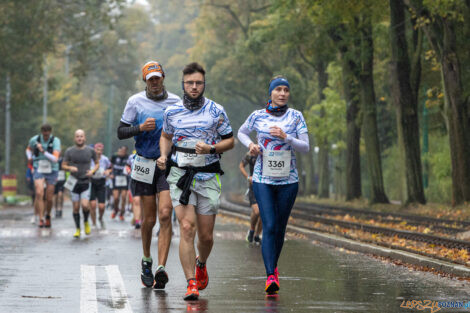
151 69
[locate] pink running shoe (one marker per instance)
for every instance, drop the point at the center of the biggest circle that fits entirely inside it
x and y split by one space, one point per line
272 285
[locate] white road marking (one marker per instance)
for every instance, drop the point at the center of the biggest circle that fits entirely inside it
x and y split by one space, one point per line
88 300
118 290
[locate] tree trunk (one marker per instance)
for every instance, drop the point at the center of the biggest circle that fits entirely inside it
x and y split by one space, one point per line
406 105
353 134
459 131
369 111
308 164
323 156
442 36
324 171
350 56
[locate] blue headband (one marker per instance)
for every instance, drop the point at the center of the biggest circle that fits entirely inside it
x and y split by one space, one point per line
280 81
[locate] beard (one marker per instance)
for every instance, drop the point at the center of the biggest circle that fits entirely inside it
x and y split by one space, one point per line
193 103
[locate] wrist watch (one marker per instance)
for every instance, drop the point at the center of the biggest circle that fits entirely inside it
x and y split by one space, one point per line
212 151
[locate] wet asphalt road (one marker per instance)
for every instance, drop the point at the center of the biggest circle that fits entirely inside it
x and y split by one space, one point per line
45 270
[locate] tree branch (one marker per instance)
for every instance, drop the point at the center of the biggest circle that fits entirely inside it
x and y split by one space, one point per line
227 8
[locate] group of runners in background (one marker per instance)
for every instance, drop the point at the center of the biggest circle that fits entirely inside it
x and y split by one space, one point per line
91 178
176 170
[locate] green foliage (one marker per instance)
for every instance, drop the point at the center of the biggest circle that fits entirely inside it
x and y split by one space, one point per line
446 8
438 160
326 120
440 182
241 43
393 178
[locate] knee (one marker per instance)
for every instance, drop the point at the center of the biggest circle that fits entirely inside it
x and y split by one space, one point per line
188 229
269 229
164 216
206 238
149 221
39 192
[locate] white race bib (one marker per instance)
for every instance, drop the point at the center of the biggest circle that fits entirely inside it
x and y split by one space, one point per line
189 159
61 176
70 183
120 181
99 173
143 169
44 167
276 163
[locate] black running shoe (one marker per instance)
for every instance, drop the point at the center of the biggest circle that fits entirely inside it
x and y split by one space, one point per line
249 236
147 276
161 278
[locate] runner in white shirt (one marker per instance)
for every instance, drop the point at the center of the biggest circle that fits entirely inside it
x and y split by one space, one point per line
98 184
143 119
280 131
199 130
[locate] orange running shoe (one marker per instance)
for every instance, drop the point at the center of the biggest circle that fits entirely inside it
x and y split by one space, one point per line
121 217
47 224
192 293
113 215
202 278
272 285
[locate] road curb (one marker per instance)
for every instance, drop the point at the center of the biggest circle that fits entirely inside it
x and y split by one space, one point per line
366 248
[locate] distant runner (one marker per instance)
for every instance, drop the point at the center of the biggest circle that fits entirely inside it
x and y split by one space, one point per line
98 184
120 182
77 161
133 198
59 190
43 151
255 221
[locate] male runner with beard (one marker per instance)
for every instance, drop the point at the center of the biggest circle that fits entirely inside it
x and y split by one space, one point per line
199 131
77 161
143 119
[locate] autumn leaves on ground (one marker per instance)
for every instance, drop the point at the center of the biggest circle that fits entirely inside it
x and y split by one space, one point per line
462 213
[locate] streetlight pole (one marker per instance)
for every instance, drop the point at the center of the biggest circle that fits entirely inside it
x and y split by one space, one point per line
109 124
44 94
67 59
7 125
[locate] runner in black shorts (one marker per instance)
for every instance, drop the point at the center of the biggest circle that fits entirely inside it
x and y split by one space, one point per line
77 160
59 190
255 221
98 185
133 198
143 119
120 182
